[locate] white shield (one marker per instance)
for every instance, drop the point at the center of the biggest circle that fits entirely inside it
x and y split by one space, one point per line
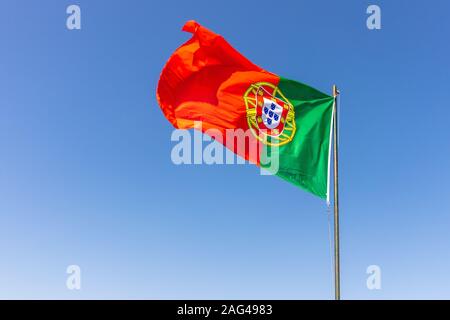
271 113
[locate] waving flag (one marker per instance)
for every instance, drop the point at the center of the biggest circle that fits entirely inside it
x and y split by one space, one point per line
207 80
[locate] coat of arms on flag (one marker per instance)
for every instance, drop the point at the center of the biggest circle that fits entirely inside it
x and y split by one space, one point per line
269 114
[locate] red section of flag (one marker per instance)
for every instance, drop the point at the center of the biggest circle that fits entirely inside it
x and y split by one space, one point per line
205 80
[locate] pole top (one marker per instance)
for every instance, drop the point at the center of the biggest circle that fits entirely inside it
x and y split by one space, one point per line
335 91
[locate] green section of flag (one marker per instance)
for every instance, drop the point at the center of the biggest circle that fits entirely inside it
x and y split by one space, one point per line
304 160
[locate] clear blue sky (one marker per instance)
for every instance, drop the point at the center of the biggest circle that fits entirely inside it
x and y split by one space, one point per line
86 176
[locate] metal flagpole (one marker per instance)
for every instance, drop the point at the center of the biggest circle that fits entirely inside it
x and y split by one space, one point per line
337 279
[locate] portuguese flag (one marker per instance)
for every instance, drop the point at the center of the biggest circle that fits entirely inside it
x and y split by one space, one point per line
206 80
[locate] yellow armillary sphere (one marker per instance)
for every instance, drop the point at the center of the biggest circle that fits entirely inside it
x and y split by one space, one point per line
270 116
